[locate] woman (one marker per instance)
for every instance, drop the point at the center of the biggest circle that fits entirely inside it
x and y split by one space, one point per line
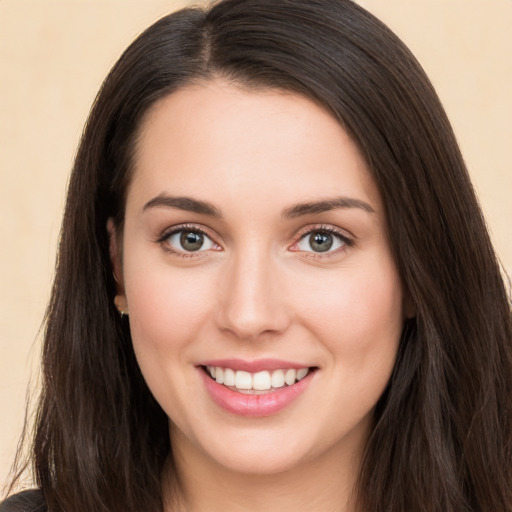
275 288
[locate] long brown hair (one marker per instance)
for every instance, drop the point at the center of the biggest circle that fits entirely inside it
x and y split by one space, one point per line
442 440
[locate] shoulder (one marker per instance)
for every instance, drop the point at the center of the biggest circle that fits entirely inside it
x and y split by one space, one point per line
26 501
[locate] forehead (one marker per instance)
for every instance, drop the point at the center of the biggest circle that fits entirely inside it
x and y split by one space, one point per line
216 133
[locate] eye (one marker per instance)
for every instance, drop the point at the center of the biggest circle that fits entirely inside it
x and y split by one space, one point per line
189 240
322 240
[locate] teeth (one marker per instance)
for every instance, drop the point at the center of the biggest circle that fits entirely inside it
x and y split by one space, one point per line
290 376
229 377
300 373
243 380
260 381
278 379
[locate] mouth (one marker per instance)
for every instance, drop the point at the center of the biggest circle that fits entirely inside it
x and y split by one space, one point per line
257 388
257 383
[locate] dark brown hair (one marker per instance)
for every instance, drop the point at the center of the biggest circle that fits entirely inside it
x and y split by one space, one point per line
442 440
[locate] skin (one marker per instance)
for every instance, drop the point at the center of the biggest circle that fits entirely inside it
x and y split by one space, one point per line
257 291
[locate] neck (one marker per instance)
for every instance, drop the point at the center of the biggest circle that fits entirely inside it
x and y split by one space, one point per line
322 484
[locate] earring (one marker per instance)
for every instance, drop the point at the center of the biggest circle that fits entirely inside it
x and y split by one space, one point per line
117 301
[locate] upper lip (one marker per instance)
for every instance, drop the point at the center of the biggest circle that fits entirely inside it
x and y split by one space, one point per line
254 366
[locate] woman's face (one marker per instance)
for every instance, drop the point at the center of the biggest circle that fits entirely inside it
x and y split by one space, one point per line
255 249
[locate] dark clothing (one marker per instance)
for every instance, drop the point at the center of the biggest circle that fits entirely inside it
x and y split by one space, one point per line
26 501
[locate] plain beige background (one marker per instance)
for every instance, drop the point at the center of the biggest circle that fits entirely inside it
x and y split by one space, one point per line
53 57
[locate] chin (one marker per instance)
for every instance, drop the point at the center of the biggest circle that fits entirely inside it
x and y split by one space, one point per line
255 463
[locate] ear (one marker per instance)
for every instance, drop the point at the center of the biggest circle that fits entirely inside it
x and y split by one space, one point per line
117 269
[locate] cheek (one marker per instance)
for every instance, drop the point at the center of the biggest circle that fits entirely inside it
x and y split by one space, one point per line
167 313
167 306
359 319
360 324
355 305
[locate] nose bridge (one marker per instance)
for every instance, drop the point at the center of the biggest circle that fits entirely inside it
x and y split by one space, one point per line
251 302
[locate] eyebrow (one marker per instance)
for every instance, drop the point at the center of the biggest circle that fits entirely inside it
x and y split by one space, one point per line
187 204
325 205
202 207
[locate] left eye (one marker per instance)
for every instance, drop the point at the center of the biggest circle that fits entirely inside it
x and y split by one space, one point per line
320 241
187 240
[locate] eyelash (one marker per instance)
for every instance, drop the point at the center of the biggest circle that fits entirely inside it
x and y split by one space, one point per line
193 228
346 241
340 235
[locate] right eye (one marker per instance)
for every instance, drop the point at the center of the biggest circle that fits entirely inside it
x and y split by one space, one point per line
189 240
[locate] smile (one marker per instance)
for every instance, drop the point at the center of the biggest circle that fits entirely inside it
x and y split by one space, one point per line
258 382
255 389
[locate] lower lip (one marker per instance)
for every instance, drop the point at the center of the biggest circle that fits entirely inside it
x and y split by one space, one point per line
243 404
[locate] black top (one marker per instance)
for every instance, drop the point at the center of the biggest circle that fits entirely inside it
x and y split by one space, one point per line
26 501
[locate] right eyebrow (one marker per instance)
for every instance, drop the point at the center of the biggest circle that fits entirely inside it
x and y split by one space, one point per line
187 204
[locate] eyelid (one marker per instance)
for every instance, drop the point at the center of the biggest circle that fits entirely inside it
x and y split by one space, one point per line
347 239
168 232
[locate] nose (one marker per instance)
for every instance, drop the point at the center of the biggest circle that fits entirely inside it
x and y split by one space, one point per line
253 297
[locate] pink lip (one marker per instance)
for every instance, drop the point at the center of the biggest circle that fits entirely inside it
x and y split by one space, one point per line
254 366
254 406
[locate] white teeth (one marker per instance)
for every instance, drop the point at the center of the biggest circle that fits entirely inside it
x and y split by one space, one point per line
229 377
300 373
259 381
278 379
243 380
290 376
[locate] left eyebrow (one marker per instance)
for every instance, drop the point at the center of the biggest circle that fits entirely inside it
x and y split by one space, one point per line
325 205
188 204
